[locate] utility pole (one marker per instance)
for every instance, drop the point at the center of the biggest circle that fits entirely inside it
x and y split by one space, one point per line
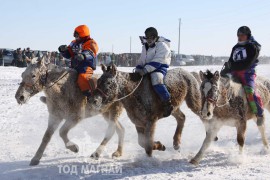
112 49
130 57
130 45
179 38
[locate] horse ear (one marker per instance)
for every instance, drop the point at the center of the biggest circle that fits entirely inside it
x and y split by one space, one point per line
103 68
114 69
202 76
41 61
216 76
34 60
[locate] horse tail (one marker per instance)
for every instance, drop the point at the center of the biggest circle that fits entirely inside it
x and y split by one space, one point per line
266 83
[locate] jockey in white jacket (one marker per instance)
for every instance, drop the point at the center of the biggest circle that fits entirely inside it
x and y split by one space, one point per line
155 60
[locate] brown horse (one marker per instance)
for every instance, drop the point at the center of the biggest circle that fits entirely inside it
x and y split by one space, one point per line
142 104
65 101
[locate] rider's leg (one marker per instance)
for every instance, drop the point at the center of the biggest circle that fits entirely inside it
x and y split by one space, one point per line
83 80
247 79
157 80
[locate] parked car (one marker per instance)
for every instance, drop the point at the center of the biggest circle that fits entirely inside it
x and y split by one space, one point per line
189 60
182 60
7 57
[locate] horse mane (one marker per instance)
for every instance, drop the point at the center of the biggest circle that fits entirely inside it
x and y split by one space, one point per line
208 74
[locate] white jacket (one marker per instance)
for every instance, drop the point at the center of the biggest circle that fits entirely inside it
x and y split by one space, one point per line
156 57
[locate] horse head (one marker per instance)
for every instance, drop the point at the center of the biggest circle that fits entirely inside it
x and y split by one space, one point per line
214 90
33 80
107 88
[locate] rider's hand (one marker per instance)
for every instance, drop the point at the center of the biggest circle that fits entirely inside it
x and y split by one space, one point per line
226 70
228 65
62 48
142 72
79 57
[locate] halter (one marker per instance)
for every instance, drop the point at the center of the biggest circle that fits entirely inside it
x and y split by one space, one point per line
214 101
42 79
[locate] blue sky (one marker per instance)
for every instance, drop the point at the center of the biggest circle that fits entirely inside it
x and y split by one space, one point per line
208 26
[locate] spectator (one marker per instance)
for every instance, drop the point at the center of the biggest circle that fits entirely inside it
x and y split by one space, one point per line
1 56
18 58
28 56
24 58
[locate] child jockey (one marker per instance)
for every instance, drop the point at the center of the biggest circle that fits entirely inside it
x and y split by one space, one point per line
82 51
155 60
242 64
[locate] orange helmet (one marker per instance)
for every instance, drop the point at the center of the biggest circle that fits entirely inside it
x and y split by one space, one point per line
82 31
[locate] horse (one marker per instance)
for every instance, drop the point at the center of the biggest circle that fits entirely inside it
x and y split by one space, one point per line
224 103
142 104
65 100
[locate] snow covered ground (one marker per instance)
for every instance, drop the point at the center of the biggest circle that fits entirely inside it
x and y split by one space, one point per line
22 128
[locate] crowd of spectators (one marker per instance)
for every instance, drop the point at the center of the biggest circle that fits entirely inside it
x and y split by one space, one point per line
21 58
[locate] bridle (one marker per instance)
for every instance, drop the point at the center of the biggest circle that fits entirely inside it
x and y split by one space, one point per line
214 101
42 79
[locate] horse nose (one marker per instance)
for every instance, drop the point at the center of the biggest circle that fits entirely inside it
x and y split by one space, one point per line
208 114
21 98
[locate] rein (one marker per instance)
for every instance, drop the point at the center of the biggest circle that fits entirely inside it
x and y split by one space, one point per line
119 99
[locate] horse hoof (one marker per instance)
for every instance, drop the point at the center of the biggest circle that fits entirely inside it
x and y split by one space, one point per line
74 148
163 148
160 146
95 156
34 162
149 152
116 154
194 162
216 138
176 147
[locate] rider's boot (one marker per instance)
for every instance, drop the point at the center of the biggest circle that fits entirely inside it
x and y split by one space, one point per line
167 107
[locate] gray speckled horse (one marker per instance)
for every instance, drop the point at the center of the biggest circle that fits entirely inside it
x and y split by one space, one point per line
65 101
143 105
224 103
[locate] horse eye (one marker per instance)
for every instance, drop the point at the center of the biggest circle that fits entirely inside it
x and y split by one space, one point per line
33 76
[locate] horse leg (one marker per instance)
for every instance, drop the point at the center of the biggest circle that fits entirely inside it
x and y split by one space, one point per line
141 140
115 113
69 124
210 136
206 129
180 118
109 133
263 135
241 133
120 130
53 123
149 135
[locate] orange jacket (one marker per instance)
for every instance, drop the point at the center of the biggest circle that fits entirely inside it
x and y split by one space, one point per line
84 45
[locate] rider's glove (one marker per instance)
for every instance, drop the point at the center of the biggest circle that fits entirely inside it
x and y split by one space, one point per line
80 57
142 72
62 48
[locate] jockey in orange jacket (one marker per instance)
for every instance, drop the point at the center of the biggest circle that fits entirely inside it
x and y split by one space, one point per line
82 51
